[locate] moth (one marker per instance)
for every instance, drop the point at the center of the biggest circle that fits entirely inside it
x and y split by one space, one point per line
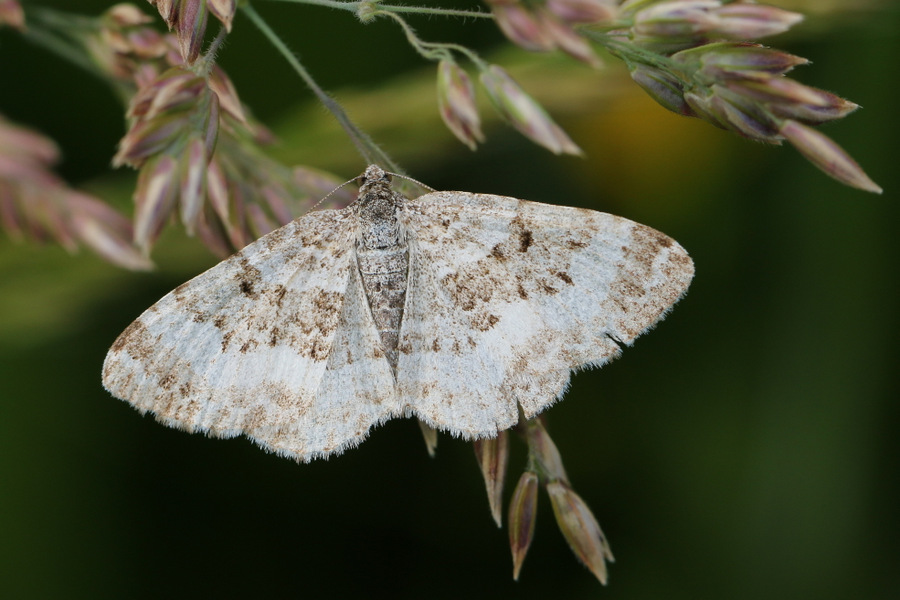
455 308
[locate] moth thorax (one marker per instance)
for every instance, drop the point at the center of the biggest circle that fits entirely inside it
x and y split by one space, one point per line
379 225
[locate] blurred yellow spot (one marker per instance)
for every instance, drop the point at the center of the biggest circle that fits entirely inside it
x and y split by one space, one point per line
648 158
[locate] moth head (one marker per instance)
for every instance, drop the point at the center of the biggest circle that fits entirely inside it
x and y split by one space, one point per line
375 184
373 175
374 181
375 178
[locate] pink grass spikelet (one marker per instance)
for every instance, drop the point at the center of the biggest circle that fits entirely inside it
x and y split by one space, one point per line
736 60
192 190
223 10
521 25
36 204
663 87
736 85
535 27
11 14
583 11
456 102
580 528
190 27
522 517
154 197
821 150
567 39
746 21
105 231
493 456
188 20
523 113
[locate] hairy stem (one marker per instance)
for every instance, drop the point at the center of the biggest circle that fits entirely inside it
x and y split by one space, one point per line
364 144
213 49
422 10
427 50
433 50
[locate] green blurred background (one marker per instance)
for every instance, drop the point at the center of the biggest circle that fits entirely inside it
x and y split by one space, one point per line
747 448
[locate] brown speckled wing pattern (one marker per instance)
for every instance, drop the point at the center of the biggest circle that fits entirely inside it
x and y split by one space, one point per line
504 299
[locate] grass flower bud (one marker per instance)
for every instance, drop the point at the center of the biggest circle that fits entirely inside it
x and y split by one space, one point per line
538 28
190 27
523 113
154 199
493 456
34 202
663 87
743 116
522 516
736 60
188 18
544 452
580 528
105 231
456 102
821 151
11 14
566 39
223 10
225 91
192 183
126 15
582 11
521 25
745 21
790 99
675 19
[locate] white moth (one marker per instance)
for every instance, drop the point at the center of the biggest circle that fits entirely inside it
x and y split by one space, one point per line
454 308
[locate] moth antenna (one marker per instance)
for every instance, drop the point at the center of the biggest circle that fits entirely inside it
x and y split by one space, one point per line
326 196
416 181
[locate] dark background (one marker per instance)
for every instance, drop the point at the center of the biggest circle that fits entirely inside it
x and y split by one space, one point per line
746 448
